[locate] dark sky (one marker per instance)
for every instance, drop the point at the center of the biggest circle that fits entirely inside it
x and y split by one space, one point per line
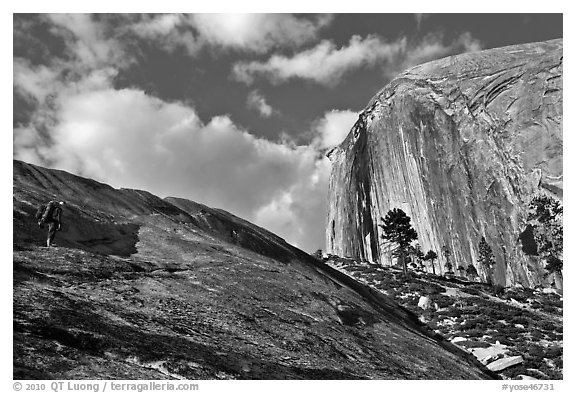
233 111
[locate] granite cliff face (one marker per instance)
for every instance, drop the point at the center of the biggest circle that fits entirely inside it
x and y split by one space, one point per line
141 287
460 144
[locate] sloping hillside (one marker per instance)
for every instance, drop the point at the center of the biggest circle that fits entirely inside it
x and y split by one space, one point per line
140 287
520 327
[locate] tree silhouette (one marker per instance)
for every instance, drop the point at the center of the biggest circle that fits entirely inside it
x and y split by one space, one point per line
398 230
418 256
471 271
431 256
545 215
446 252
486 259
318 254
461 269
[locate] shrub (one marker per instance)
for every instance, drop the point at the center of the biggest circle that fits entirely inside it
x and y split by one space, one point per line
454 312
471 291
546 325
537 335
433 289
443 300
520 320
475 332
473 324
498 290
559 362
553 352
503 339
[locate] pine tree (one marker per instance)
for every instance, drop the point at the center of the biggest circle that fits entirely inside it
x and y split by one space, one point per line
471 272
398 230
446 252
318 254
486 259
419 256
546 215
431 256
461 269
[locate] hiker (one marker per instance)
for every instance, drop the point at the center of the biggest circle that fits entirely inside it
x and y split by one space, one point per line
51 214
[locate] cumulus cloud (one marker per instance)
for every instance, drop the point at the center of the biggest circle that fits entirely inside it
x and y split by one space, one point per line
256 101
327 64
333 127
258 32
129 139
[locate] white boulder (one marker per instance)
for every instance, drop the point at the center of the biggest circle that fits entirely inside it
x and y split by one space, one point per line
424 302
504 363
487 354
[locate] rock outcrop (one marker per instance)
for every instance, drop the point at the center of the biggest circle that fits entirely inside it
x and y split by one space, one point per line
141 287
460 144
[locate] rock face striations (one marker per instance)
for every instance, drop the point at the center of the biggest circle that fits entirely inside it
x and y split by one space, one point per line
141 287
460 144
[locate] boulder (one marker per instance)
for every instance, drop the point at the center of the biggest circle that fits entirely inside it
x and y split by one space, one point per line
424 303
504 363
489 353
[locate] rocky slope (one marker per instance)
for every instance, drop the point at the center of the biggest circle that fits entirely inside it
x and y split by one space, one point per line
519 328
145 288
461 145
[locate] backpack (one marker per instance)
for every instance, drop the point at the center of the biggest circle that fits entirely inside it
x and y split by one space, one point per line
49 211
40 212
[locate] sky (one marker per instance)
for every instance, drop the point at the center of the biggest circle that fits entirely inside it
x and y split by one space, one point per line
235 111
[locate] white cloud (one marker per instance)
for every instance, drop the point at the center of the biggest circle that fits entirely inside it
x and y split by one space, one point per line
169 31
431 47
157 25
258 32
36 81
419 19
326 64
88 41
333 127
128 139
256 101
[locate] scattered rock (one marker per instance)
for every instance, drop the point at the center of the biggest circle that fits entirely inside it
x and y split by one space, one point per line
458 339
424 303
504 363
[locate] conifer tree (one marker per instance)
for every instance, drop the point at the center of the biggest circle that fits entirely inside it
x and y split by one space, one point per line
431 256
398 230
471 271
546 216
486 259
